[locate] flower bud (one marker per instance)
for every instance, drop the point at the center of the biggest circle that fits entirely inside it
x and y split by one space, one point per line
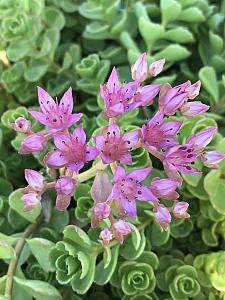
122 227
180 210
33 143
212 158
164 188
140 68
202 138
22 125
156 67
65 186
106 236
192 109
102 210
193 90
35 180
163 216
30 200
62 202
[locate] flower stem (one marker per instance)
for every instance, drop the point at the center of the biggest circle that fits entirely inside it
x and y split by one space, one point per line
14 261
91 172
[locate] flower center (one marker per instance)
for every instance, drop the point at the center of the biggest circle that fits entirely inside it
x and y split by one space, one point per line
129 188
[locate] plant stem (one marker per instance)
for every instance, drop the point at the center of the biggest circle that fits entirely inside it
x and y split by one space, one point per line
91 172
14 261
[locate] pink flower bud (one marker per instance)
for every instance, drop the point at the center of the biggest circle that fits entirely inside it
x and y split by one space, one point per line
164 188
212 158
21 125
35 180
192 109
33 143
202 138
106 236
62 202
140 68
180 210
122 227
163 216
65 186
193 90
102 210
156 67
30 200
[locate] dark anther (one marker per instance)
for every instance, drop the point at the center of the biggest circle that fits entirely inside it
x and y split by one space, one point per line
106 142
188 168
128 142
87 152
183 148
192 162
189 150
108 133
114 132
54 120
63 142
189 155
168 141
139 192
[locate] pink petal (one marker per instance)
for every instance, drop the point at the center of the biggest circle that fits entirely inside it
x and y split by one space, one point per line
67 101
40 117
175 104
45 100
115 192
101 188
56 159
106 159
119 173
99 141
156 67
192 109
157 119
131 138
202 138
147 93
115 110
34 179
126 159
171 127
62 141
62 202
187 170
91 153
139 69
129 89
113 83
130 208
193 90
73 119
140 174
75 167
114 129
146 195
79 134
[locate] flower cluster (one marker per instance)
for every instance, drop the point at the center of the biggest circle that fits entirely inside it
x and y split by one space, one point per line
112 149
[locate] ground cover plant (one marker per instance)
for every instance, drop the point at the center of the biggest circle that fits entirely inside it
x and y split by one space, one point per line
112 178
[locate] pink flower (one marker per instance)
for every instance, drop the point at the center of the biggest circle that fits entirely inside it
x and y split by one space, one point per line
180 210
201 139
164 188
72 150
139 69
114 146
122 227
33 143
159 133
106 236
22 125
211 159
156 67
102 210
57 116
35 180
162 216
127 189
65 186
192 109
117 98
62 201
179 158
146 94
30 200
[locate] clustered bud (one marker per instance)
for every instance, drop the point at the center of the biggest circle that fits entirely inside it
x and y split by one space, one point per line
115 200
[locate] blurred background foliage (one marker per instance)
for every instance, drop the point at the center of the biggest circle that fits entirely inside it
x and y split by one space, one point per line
56 44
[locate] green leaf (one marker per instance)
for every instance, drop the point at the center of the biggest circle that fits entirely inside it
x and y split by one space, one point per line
35 69
180 35
170 10
128 250
6 251
41 248
135 235
207 76
102 273
77 235
192 14
172 53
38 289
107 256
16 204
216 41
54 18
17 50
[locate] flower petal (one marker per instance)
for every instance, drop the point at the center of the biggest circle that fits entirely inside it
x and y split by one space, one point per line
45 100
126 159
62 141
171 127
56 159
115 192
99 142
113 83
73 119
79 134
202 138
41 117
67 101
140 174
119 173
114 129
131 137
91 152
75 167
130 208
146 195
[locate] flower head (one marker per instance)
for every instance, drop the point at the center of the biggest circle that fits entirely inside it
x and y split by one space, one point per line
139 69
162 216
33 143
35 180
211 159
127 189
164 188
30 200
156 67
118 98
22 125
114 146
57 116
180 210
65 185
72 150
159 133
